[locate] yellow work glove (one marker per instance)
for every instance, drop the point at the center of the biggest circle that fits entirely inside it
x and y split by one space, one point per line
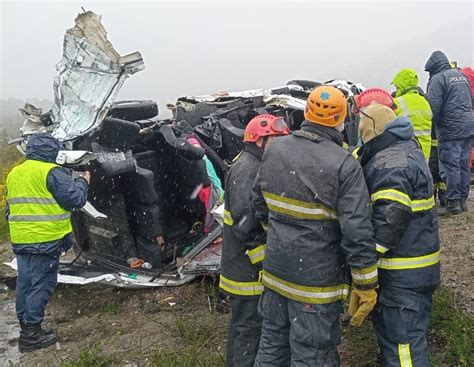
361 303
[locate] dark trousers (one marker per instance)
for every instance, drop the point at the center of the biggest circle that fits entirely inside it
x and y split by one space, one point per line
37 279
401 319
298 334
244 332
454 156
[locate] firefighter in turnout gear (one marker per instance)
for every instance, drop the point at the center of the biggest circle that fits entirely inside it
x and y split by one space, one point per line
312 194
244 243
406 234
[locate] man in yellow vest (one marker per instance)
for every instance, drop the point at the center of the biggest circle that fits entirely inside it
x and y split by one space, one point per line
410 103
40 198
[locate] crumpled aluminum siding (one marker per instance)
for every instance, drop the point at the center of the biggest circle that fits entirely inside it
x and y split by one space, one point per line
89 76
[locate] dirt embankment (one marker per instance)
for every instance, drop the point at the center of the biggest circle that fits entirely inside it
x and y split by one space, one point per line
457 256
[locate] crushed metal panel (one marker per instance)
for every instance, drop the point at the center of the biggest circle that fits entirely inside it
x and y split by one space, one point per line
89 77
207 261
119 279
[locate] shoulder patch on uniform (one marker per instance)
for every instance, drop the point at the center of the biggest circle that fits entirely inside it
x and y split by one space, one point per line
394 157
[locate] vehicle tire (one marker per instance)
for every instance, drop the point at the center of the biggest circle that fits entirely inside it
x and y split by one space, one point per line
117 133
133 110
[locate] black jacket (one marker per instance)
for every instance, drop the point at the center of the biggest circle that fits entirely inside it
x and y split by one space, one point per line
313 194
449 95
242 231
404 214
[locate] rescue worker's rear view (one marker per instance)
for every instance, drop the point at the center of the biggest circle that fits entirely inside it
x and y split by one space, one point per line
406 231
313 196
244 243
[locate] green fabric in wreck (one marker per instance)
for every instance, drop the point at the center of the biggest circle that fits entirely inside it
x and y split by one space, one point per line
211 172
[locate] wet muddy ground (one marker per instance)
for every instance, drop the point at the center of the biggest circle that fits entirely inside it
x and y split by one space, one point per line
139 327
9 329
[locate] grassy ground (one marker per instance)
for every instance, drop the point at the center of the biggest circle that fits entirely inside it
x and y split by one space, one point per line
198 339
452 330
451 336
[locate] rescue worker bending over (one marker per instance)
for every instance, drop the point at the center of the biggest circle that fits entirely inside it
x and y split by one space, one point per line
40 198
411 104
406 232
312 195
244 243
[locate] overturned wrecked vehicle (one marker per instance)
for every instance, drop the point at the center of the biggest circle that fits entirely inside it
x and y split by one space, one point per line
150 219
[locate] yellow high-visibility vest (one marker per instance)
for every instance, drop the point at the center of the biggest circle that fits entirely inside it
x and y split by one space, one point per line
35 216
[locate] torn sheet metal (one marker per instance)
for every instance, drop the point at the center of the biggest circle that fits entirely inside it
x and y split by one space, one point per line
33 122
206 261
121 280
266 93
89 77
350 88
283 100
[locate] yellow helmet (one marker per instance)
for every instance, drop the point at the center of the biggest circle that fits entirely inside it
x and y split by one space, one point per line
326 106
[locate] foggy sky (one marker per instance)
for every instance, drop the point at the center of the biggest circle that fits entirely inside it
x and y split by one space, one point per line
202 47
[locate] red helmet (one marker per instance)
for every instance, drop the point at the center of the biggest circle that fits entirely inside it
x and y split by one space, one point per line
373 95
265 125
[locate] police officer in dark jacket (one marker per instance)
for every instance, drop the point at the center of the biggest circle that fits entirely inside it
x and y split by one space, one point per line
40 198
244 243
406 234
449 95
313 195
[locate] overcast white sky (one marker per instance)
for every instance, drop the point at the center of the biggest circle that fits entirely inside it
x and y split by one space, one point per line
201 47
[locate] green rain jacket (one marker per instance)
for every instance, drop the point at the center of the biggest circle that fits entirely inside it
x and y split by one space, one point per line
414 106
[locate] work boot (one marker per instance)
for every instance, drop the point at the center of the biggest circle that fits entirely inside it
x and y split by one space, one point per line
33 337
46 330
464 205
453 207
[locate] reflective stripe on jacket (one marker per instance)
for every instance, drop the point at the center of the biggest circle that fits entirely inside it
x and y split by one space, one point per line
244 237
417 109
313 195
404 214
34 216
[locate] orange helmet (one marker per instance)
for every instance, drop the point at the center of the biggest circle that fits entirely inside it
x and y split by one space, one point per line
326 106
265 125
